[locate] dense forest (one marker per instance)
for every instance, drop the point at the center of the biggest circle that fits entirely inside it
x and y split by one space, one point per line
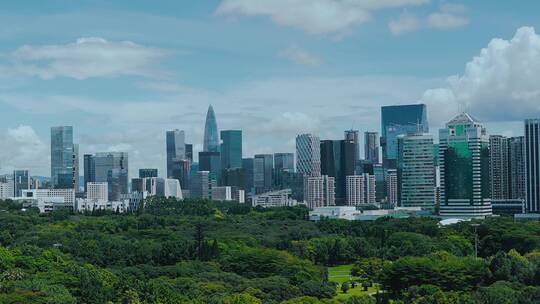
196 251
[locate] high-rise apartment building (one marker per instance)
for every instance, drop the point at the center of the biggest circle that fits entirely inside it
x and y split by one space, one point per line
337 160
319 191
211 135
400 120
391 187
371 147
360 189
352 136
498 150
64 159
516 167
464 168
532 165
416 171
308 155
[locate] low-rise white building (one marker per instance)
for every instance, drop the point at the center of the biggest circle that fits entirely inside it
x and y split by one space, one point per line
86 205
279 198
48 200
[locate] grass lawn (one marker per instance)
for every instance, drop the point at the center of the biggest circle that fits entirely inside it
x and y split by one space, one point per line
340 274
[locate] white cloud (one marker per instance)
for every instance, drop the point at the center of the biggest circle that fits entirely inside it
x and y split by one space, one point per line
405 23
450 16
500 84
446 21
22 149
300 56
313 16
85 58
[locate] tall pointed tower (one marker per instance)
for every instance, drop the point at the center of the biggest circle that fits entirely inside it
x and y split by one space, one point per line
211 139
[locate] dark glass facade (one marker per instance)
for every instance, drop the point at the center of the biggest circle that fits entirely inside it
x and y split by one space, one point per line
231 149
337 160
400 120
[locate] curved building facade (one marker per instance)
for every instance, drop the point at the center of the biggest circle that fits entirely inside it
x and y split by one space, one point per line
211 137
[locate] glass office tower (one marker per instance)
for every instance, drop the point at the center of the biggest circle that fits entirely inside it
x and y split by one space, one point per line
532 165
63 167
416 171
231 149
211 136
464 168
400 120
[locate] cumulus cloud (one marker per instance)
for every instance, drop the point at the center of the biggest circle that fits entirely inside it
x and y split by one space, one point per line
313 16
300 56
405 23
85 58
22 149
499 84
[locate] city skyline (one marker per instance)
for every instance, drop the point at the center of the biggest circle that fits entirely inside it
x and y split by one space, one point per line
307 76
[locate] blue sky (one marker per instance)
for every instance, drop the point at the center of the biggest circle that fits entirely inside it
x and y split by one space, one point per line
124 72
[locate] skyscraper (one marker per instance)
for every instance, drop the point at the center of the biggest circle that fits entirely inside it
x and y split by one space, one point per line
211 135
109 167
211 162
21 181
352 135
416 171
399 120
498 149
308 155
337 161
319 191
532 165
263 168
89 171
371 147
391 187
360 189
516 167
176 149
283 162
63 166
247 167
231 149
464 168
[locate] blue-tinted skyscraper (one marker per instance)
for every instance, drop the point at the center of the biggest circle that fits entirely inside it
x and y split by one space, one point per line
231 149
211 136
176 149
64 169
400 120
